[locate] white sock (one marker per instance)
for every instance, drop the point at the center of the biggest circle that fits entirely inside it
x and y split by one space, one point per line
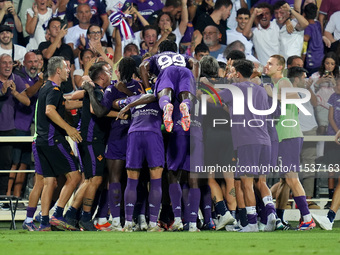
307 218
128 223
267 200
178 219
29 220
152 224
116 221
102 221
192 225
251 209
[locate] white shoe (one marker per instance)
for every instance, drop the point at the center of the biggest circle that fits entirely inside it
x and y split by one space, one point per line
116 227
271 223
176 226
323 221
128 226
226 219
194 229
143 226
233 228
250 228
261 226
156 228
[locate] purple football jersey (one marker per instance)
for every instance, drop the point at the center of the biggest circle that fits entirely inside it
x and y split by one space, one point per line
165 59
24 114
248 128
146 117
146 8
119 128
7 104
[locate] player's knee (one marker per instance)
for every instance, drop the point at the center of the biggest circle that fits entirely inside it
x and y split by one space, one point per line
96 181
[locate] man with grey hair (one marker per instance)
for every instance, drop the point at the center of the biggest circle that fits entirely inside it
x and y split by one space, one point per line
211 37
54 152
11 87
209 66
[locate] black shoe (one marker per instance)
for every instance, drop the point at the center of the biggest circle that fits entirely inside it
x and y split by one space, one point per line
328 205
21 206
73 222
5 206
87 226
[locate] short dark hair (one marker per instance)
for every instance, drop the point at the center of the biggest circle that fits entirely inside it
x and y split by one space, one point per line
220 3
295 72
266 5
278 5
96 69
241 11
236 54
201 48
310 11
54 19
37 52
244 67
291 59
130 45
168 45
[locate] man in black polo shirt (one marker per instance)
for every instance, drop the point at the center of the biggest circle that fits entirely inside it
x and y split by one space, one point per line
55 154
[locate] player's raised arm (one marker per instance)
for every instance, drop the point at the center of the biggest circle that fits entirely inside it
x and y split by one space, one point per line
144 73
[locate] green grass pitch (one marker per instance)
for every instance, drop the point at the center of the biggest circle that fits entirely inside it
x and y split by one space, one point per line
315 241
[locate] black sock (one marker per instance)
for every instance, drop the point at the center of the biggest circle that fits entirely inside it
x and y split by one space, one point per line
220 207
330 193
280 213
331 215
243 216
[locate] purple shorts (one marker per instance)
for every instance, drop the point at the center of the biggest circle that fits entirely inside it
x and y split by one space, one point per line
144 145
251 159
177 78
116 149
38 169
178 152
289 155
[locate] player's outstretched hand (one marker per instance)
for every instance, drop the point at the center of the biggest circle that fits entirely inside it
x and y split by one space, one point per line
74 134
122 113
